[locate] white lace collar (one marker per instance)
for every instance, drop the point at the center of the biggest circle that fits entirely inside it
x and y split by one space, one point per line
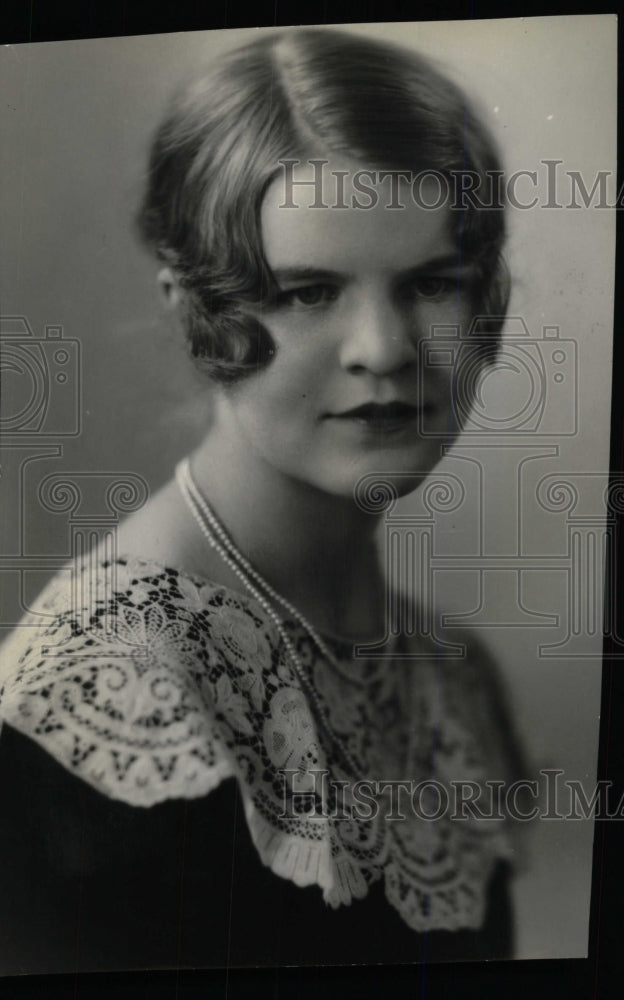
158 685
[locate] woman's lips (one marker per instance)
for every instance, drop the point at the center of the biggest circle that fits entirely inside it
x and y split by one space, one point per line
383 416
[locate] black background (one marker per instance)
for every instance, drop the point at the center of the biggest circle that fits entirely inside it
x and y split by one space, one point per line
596 978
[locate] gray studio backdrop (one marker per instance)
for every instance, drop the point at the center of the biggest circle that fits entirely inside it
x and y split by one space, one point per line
505 541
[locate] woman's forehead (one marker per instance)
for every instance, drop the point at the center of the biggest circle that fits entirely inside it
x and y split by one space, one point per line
347 217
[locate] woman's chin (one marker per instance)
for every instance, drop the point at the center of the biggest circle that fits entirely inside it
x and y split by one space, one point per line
398 475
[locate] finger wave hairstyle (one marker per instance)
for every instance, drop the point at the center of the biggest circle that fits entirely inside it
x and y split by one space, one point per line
219 146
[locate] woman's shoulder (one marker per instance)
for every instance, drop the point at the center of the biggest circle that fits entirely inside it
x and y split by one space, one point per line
139 588
122 604
125 668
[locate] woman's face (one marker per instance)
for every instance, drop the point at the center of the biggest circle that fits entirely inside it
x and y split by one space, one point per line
347 392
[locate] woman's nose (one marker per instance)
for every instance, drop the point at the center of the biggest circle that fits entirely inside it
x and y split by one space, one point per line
381 338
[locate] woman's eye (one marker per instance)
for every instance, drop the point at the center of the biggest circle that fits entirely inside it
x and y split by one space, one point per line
309 295
434 287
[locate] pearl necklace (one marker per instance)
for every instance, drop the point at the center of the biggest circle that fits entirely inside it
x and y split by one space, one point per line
220 541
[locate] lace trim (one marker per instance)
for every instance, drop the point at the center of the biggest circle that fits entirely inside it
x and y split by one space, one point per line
156 685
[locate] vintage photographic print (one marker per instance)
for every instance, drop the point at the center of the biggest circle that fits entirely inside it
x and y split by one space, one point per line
306 345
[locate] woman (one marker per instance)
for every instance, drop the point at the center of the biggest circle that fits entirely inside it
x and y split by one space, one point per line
201 771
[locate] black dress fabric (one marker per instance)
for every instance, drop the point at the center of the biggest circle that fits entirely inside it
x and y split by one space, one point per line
92 884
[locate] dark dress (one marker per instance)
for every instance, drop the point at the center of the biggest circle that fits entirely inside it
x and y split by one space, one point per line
92 884
110 860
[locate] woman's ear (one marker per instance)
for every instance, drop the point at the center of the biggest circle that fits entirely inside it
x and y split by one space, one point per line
169 287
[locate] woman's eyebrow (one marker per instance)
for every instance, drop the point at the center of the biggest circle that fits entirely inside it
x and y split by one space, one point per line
450 262
290 275
287 275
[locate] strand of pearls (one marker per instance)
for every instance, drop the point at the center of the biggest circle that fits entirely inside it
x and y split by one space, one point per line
252 572
220 541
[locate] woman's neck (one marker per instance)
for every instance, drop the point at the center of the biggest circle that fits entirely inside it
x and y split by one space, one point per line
316 549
